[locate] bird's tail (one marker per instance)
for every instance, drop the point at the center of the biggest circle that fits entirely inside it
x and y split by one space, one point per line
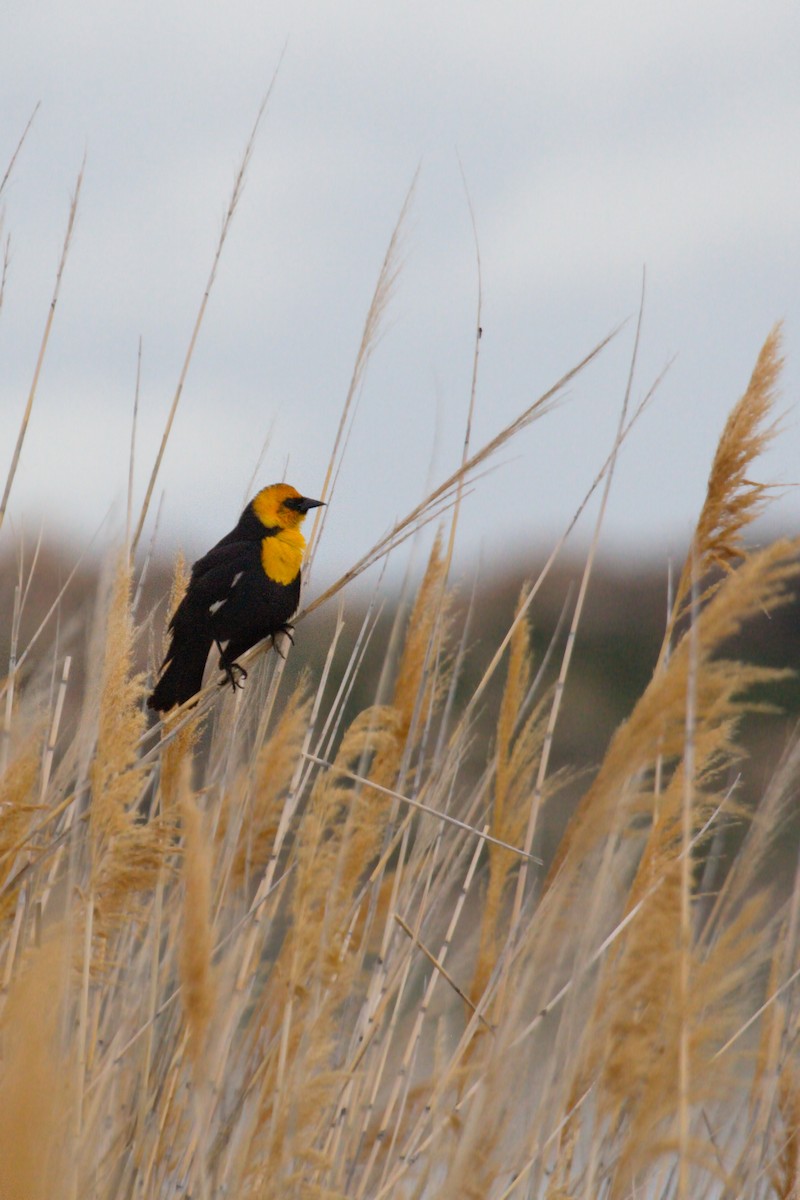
182 677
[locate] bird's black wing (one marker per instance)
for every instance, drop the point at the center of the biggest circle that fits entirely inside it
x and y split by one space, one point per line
213 575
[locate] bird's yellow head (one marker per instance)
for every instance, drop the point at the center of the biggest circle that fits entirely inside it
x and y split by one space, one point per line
282 505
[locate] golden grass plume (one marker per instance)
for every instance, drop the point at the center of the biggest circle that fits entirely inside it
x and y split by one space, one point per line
733 500
36 1096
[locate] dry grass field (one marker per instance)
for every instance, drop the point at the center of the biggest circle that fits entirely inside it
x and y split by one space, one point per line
261 950
251 952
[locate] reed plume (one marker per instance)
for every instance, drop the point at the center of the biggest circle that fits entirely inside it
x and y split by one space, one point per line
519 744
36 1097
732 499
127 854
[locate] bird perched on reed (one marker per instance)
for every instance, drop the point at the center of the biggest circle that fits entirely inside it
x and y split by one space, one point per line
246 588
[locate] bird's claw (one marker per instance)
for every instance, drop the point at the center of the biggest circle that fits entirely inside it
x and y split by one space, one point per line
235 674
289 631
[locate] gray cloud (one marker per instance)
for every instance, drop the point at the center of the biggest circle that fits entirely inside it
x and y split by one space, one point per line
594 141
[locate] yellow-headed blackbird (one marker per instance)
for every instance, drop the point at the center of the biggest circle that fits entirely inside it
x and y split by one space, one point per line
246 588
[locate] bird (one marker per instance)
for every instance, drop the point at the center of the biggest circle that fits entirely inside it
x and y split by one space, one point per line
247 587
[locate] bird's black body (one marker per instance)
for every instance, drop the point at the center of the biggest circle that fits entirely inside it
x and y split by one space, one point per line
231 599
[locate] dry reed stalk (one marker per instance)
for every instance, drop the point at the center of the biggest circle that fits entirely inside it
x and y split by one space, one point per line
655 729
720 976
558 691
767 1148
516 754
686 993
36 1156
132 452
500 1102
473 389
443 495
620 1143
269 888
641 1014
772 1031
312 976
785 1177
6 261
769 826
18 147
499 654
55 725
341 849
388 734
26 416
459 1078
475 1166
464 1072
381 298
391 1123
420 687
43 624
767 1101
11 679
197 934
233 203
18 787
250 809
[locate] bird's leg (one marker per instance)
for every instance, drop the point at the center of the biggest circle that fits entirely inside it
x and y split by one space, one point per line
234 672
286 628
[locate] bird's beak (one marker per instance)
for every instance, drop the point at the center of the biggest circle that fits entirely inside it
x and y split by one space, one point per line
304 504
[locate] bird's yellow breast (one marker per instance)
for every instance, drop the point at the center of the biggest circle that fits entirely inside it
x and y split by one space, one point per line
282 555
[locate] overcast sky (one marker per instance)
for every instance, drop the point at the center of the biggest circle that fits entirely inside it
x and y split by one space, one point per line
596 139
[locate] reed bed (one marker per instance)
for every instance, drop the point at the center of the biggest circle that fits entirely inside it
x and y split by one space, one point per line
252 951
262 949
